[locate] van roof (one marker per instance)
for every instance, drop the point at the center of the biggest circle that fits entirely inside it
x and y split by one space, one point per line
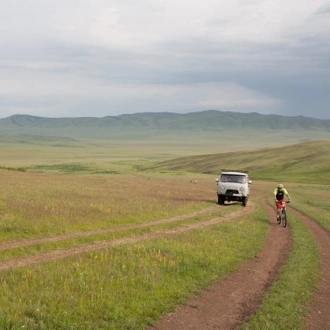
234 172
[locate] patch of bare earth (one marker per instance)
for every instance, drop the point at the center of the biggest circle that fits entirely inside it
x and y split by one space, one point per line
230 302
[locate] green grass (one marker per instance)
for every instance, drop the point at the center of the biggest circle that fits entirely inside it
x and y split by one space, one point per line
21 169
33 204
314 202
111 234
73 168
127 287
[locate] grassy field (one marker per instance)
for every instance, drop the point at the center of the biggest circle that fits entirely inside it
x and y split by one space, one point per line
128 286
35 204
123 287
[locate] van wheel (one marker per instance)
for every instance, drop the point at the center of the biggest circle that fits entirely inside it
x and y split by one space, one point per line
221 200
244 201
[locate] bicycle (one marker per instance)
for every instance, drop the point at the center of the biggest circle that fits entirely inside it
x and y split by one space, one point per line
283 217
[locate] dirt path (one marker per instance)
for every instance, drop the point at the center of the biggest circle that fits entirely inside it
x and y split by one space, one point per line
228 303
66 252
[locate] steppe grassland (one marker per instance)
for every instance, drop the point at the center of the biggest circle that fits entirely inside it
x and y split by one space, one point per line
104 152
37 204
100 153
129 286
115 288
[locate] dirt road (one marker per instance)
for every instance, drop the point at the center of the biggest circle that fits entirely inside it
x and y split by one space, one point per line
232 301
228 303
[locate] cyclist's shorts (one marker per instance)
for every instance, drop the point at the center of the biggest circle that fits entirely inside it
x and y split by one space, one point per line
279 203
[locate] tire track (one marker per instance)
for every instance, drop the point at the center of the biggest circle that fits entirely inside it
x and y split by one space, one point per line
57 238
71 251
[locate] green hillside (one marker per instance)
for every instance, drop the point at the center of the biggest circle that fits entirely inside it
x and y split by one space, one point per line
209 120
307 162
196 133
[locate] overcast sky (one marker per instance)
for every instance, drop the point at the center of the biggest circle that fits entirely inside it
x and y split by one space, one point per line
96 58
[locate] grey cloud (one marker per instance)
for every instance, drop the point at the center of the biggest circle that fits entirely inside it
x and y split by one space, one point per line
325 9
293 68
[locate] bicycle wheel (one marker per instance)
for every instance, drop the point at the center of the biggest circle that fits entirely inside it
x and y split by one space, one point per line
283 218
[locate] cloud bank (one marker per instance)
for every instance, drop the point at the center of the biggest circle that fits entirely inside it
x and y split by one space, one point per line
98 57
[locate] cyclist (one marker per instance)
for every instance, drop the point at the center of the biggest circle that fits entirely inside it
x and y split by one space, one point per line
279 193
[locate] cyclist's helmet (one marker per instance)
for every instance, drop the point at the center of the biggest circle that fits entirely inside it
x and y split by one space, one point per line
280 186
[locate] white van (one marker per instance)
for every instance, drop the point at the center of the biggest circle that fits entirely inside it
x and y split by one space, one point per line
233 186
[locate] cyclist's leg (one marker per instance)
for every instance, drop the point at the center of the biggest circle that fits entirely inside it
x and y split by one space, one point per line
278 208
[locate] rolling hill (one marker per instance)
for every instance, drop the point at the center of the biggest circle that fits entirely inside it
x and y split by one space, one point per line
307 162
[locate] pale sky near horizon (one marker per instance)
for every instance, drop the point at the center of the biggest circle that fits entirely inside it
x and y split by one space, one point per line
96 58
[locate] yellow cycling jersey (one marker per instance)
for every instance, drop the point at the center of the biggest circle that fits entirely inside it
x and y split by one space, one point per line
280 194
283 189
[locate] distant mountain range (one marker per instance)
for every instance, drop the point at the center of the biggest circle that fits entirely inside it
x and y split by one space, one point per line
210 138
209 120
206 128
